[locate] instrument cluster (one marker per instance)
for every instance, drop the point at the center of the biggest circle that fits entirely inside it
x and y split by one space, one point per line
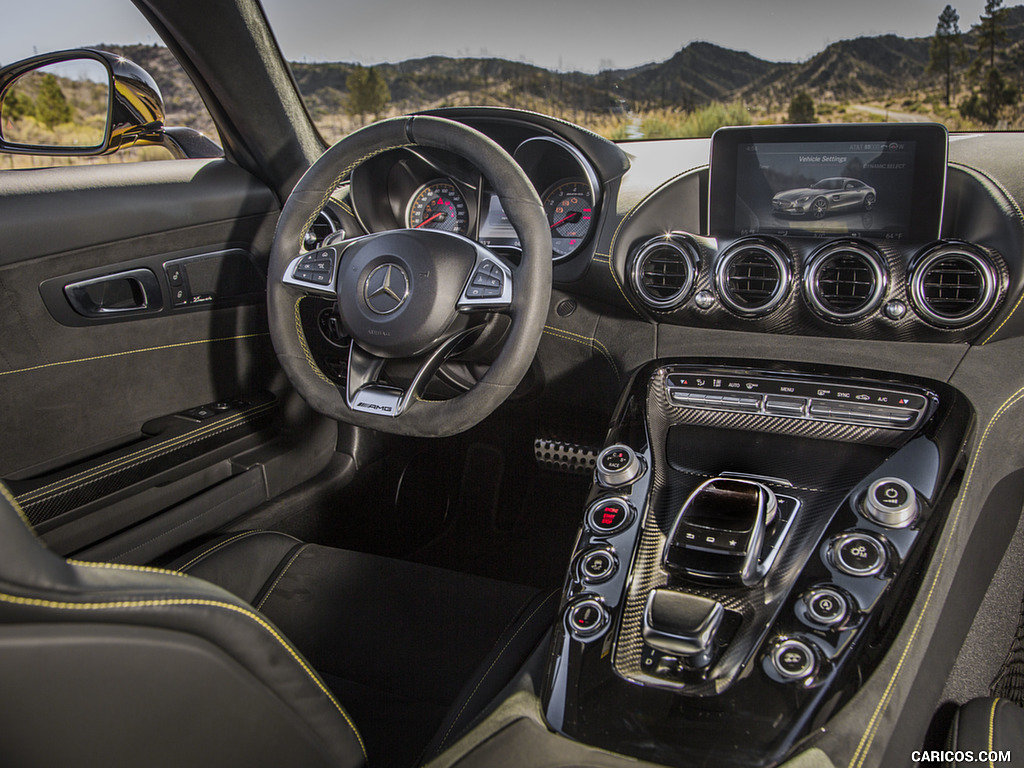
433 189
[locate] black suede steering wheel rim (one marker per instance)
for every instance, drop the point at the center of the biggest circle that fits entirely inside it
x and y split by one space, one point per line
531 280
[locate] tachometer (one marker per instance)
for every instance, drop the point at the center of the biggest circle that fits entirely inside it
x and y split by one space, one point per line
439 205
570 210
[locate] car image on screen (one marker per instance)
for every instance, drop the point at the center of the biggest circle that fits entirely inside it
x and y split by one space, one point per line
825 197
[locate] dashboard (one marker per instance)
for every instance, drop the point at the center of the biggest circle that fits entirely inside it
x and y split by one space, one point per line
801 331
861 261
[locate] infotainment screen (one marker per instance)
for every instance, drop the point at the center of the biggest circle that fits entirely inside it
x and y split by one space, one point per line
882 181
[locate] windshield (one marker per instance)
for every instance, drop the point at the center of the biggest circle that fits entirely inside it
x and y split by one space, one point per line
655 69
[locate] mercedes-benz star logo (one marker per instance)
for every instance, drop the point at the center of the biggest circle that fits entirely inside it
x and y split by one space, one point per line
386 289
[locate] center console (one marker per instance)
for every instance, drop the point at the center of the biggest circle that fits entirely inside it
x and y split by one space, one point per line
752 541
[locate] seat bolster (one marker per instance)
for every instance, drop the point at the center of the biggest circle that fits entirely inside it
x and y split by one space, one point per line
507 656
987 725
242 563
139 596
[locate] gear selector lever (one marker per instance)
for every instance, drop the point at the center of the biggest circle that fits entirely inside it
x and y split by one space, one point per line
720 532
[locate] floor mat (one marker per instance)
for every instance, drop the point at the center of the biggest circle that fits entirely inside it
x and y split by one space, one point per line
477 503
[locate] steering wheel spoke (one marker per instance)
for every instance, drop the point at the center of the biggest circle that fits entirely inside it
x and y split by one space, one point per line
364 392
489 286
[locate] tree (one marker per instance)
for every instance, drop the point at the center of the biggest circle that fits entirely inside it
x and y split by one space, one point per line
985 104
18 104
52 107
991 33
801 108
368 94
947 48
995 91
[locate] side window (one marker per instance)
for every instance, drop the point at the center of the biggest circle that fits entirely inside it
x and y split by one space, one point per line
57 113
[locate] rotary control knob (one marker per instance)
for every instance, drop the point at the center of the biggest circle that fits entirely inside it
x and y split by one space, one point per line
793 659
890 502
618 465
586 618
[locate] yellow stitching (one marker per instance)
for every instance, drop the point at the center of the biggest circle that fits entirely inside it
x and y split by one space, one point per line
860 755
304 345
214 548
279 577
337 181
484 675
1005 320
586 341
120 567
171 602
147 453
17 507
132 352
991 727
1020 216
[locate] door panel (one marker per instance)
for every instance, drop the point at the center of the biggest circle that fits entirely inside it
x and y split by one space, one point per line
75 397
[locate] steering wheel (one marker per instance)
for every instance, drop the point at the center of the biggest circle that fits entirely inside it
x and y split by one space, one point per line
409 293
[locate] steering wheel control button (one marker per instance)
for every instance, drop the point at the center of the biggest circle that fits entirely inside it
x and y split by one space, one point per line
598 565
586 618
890 502
488 286
607 516
826 606
316 268
618 465
793 659
858 554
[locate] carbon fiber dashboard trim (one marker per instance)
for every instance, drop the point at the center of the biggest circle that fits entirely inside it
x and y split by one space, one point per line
674 480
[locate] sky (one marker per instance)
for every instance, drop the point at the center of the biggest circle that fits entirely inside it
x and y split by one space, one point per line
586 35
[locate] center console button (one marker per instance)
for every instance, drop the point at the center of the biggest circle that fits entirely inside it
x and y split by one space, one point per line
858 554
618 465
598 565
587 618
793 659
826 606
891 502
611 515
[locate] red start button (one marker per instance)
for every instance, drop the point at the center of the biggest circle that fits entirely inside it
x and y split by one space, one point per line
610 515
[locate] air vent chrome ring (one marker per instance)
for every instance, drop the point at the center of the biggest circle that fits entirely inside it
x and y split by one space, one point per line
753 277
845 281
664 272
952 285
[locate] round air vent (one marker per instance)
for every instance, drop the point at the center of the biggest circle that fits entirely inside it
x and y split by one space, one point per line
845 281
664 272
952 286
752 277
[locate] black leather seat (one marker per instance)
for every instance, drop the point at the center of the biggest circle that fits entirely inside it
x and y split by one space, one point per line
985 725
122 665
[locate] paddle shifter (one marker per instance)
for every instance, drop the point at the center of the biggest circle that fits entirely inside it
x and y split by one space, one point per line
720 532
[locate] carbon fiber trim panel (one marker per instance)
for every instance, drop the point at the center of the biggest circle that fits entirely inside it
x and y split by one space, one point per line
58 497
675 478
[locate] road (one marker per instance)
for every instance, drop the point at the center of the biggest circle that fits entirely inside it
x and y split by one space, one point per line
891 116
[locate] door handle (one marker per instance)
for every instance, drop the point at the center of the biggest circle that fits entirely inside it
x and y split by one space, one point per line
131 291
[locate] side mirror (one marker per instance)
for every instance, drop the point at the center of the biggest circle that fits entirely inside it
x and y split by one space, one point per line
79 102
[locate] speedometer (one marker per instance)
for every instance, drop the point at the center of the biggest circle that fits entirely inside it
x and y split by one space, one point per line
570 209
439 205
